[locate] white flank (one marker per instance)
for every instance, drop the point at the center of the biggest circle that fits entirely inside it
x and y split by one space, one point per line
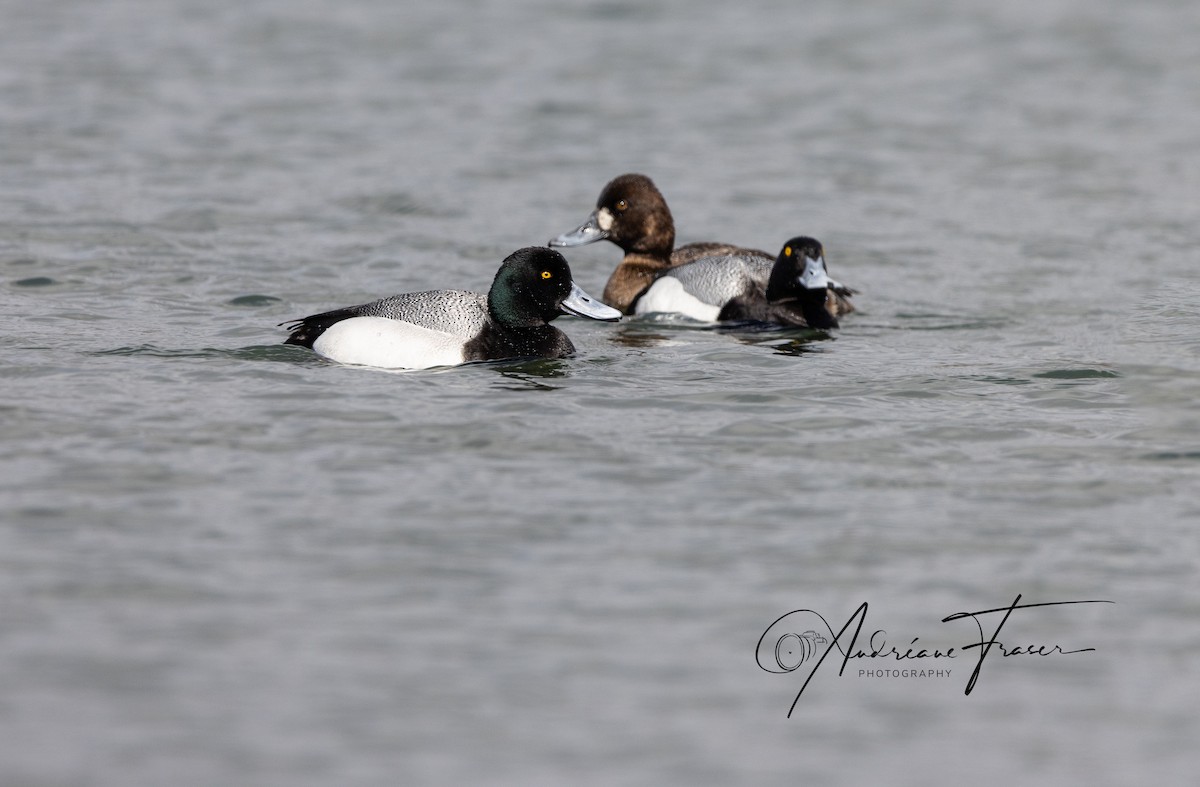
667 296
388 344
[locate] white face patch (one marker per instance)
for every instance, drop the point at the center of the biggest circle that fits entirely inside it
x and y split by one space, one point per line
604 219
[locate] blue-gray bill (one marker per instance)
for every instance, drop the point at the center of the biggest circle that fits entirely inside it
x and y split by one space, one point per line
814 276
581 304
588 232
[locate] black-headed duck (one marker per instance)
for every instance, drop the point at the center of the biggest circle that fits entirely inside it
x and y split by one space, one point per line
730 287
420 330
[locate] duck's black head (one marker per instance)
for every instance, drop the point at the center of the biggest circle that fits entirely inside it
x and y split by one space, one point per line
799 276
630 212
533 286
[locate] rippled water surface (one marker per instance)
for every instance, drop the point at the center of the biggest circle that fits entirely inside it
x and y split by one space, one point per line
225 561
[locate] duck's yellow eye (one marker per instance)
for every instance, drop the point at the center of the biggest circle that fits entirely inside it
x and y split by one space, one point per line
787 251
622 204
547 275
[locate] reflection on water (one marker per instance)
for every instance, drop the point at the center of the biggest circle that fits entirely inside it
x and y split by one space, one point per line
663 329
783 340
531 374
797 347
639 334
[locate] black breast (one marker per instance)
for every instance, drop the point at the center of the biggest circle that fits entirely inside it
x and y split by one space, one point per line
494 343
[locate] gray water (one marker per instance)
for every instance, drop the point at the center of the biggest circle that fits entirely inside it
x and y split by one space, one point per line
224 561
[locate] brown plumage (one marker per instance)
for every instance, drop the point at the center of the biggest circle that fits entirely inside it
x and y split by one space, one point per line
632 213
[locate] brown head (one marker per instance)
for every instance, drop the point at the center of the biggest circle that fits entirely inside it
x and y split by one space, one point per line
630 212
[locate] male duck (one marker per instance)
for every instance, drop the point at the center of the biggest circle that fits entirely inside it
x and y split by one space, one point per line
420 330
729 287
632 213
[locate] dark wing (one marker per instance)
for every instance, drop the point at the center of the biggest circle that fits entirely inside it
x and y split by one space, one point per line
307 330
695 251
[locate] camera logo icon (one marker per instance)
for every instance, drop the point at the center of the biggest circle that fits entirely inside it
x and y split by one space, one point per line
792 650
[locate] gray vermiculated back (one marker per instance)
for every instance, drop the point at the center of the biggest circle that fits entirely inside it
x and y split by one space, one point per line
717 280
457 312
